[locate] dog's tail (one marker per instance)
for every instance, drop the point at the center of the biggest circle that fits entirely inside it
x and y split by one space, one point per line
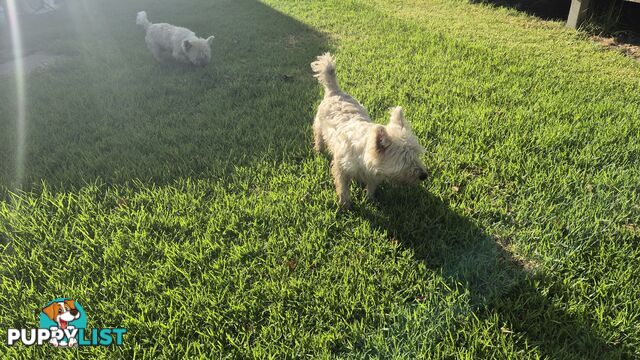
142 20
324 69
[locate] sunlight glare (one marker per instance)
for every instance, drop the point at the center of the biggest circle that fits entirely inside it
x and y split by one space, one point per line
16 42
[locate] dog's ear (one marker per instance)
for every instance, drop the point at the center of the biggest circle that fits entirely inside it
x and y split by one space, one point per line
50 311
382 140
210 39
397 117
70 303
186 45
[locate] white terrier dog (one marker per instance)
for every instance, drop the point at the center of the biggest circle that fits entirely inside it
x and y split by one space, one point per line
168 42
362 150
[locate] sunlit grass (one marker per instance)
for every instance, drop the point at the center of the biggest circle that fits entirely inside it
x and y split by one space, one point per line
187 205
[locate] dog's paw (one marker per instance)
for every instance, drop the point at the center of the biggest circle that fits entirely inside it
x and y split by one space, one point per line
371 196
344 205
374 202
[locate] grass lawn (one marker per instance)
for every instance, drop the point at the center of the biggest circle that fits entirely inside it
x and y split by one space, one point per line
188 206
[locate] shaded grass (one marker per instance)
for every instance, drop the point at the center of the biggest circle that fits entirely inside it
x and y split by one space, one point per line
209 227
116 100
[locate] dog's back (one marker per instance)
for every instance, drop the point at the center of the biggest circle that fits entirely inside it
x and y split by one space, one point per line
337 107
167 35
163 34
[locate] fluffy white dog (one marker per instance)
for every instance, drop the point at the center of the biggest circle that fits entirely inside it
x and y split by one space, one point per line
174 43
362 150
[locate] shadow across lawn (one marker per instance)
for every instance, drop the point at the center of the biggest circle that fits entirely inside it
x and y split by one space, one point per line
616 18
498 282
109 112
545 9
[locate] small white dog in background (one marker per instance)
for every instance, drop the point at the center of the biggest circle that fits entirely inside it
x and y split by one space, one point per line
174 43
362 150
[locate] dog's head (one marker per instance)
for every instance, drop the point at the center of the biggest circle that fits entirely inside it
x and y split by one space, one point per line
198 50
395 151
62 312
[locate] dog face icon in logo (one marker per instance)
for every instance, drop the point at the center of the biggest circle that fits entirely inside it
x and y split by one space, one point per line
63 314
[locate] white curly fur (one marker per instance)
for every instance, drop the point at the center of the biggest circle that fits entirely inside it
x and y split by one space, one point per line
362 150
173 43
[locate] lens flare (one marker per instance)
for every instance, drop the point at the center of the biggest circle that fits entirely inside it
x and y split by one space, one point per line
16 43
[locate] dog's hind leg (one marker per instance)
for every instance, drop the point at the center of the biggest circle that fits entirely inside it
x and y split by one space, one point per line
157 52
342 182
318 142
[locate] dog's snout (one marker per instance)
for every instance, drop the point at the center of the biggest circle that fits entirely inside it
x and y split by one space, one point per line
422 176
73 312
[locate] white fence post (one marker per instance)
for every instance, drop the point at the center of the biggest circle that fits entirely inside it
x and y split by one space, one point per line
579 9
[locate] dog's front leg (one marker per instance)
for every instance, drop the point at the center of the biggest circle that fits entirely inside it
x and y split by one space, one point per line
341 181
372 185
318 142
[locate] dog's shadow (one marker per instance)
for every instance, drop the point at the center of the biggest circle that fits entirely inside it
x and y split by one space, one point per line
498 282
